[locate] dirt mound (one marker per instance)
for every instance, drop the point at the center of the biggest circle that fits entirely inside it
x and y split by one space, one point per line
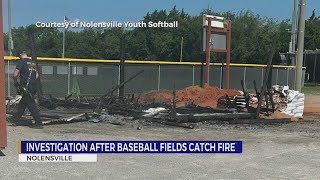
205 97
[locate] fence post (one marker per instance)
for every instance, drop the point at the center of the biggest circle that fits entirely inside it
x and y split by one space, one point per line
119 72
244 77
69 77
221 76
209 71
192 75
294 82
277 76
8 74
287 76
159 76
262 75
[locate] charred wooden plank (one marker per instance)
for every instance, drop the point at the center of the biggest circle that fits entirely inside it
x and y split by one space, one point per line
260 121
213 116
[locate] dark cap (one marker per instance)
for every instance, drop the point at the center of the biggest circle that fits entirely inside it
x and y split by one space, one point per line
21 52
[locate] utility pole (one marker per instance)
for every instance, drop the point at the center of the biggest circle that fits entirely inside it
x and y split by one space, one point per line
69 64
208 43
300 45
122 63
10 45
292 48
315 69
181 49
63 42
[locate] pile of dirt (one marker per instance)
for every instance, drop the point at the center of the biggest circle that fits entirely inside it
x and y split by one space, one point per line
205 97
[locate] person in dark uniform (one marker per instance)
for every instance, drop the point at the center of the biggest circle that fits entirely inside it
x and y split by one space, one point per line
25 77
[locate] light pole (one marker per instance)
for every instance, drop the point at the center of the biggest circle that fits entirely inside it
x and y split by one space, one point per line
69 65
10 42
65 19
63 41
181 49
292 47
10 45
122 62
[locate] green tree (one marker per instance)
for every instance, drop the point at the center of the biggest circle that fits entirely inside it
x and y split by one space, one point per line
251 38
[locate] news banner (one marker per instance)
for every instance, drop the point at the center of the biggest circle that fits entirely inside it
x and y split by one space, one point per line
87 151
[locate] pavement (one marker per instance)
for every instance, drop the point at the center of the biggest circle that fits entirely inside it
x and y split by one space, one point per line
287 151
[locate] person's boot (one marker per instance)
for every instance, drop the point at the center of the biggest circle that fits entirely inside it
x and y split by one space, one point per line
37 126
12 121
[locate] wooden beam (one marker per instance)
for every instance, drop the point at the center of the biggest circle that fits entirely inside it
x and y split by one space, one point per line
3 118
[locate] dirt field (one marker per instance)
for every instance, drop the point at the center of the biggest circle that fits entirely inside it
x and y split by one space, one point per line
287 151
312 105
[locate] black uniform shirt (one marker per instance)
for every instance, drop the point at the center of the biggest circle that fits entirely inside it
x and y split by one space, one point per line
27 68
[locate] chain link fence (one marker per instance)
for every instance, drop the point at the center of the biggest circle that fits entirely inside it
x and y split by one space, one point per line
60 78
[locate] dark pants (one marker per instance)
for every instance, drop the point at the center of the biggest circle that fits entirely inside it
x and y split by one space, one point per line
27 101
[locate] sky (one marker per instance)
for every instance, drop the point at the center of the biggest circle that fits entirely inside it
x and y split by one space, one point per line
30 11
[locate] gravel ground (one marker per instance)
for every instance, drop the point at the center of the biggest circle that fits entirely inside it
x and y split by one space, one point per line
287 151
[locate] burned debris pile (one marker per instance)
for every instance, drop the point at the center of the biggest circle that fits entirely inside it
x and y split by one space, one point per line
182 108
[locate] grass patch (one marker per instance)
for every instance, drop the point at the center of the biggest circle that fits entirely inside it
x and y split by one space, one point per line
311 89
